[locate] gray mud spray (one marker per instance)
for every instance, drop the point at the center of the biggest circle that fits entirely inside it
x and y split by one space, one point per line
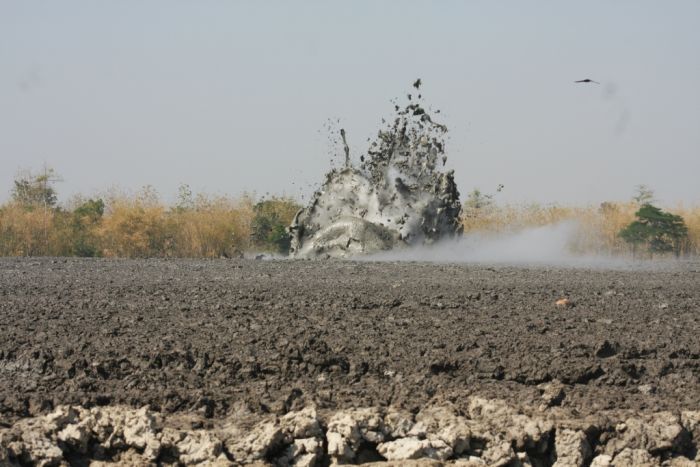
396 197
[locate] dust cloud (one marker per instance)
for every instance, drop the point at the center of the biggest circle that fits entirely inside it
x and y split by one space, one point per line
549 245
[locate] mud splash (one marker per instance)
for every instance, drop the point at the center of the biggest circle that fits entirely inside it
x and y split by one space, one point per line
396 197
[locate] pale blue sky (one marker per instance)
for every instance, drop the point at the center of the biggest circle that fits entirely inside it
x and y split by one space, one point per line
233 96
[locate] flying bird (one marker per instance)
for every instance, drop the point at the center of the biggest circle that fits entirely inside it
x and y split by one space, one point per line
417 83
586 81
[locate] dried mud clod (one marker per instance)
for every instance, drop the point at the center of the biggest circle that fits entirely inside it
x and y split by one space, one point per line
396 197
490 432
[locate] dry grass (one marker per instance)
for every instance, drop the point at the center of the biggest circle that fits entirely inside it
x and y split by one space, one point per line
24 232
206 227
135 226
211 228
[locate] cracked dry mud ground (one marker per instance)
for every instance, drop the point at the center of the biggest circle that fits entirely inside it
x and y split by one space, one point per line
208 336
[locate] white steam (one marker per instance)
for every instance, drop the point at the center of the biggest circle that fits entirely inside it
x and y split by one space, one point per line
546 245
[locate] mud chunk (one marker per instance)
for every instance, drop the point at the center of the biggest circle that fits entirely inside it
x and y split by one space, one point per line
606 349
552 394
572 448
397 424
76 436
259 441
139 430
682 462
690 419
499 454
116 427
339 448
197 447
446 426
301 424
414 447
404 448
634 458
658 433
497 423
304 452
93 432
37 449
349 431
438 449
59 418
294 439
602 460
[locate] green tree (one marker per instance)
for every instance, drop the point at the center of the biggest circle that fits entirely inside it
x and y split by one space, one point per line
269 225
636 233
661 231
35 190
85 218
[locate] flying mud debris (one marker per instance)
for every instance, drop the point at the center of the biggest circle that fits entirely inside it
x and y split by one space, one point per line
396 197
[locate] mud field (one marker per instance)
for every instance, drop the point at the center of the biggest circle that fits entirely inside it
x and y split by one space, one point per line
259 340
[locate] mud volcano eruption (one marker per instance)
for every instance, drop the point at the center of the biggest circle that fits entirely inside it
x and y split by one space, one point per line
396 197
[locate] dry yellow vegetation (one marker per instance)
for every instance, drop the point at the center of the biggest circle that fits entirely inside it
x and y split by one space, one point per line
143 227
137 226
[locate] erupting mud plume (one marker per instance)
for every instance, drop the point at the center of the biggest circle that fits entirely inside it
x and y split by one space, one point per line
396 197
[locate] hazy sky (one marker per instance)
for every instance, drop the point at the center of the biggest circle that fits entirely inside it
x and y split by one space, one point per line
234 96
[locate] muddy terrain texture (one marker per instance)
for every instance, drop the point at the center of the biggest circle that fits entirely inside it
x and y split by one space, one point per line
259 340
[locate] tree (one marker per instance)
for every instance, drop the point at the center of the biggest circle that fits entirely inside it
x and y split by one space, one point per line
477 202
661 231
643 195
185 198
270 222
34 190
635 234
86 218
